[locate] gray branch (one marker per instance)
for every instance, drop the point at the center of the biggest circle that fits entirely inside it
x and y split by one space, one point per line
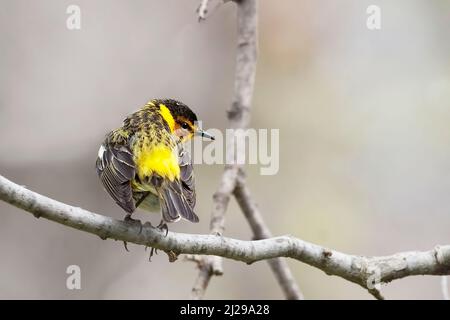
365 271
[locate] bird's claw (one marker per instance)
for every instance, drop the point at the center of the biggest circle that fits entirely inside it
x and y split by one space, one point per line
163 226
152 251
130 220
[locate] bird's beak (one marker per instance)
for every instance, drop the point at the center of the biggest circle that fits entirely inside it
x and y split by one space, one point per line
204 134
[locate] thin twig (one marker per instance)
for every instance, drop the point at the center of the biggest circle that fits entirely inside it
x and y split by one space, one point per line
358 269
260 230
209 266
203 278
203 10
238 118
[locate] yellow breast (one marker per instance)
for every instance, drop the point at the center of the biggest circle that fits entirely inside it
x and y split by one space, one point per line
159 159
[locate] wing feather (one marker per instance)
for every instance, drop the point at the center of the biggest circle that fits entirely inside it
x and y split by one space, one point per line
116 169
174 204
187 177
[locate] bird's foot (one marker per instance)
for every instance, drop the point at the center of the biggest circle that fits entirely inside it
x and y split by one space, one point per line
147 225
132 221
152 251
163 226
172 255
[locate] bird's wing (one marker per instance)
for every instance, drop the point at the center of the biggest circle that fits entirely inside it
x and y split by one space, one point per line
187 177
116 169
178 196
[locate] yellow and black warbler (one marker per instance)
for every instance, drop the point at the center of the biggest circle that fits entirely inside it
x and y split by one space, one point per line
143 164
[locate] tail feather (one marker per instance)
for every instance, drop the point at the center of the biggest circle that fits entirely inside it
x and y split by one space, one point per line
168 209
174 204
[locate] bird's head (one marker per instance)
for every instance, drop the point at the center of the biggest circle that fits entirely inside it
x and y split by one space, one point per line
181 120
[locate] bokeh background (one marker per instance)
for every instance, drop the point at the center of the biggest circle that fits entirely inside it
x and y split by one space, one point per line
363 117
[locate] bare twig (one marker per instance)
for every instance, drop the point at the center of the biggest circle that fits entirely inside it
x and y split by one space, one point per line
221 198
261 231
358 269
203 278
238 118
246 55
239 112
209 266
203 10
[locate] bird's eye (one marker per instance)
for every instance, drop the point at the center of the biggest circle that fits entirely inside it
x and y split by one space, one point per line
184 125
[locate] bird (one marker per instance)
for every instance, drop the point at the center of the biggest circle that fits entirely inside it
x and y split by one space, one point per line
144 163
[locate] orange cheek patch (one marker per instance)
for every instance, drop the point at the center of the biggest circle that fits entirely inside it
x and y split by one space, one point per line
183 119
180 132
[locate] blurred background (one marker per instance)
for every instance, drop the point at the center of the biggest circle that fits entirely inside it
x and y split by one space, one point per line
364 135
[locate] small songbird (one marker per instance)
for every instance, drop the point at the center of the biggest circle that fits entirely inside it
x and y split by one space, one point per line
143 164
